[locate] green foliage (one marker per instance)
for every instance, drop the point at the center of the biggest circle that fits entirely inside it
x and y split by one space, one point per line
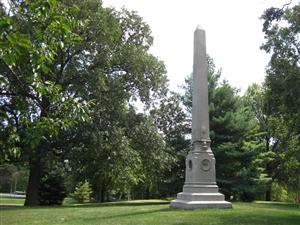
20 179
171 119
233 131
71 69
117 71
37 42
255 99
13 178
71 75
82 192
283 80
153 153
281 27
6 173
279 193
52 190
116 159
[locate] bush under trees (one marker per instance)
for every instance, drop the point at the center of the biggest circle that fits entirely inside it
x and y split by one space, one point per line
82 192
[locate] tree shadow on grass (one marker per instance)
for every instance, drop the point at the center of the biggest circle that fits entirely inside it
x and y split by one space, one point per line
85 205
279 214
119 215
243 218
262 219
133 214
112 204
11 207
278 205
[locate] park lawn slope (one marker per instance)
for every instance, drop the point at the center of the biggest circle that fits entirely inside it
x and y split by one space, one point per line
154 213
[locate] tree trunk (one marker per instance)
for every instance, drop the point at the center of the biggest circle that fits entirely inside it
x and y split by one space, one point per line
269 171
147 192
36 167
269 193
128 195
16 182
32 192
298 198
102 197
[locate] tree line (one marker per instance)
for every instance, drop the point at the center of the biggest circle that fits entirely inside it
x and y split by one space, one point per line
74 76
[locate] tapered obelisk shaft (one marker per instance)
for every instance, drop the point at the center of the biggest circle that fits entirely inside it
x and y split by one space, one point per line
200 118
200 188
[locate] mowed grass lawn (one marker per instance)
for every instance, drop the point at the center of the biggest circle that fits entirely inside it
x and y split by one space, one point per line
11 201
151 212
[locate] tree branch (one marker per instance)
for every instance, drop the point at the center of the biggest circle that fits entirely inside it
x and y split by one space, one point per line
24 89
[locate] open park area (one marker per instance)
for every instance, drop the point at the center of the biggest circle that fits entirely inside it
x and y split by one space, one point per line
92 130
148 212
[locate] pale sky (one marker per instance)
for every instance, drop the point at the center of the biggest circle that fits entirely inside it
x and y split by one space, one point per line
233 35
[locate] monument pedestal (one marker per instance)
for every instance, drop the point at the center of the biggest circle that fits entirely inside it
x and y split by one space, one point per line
200 189
200 196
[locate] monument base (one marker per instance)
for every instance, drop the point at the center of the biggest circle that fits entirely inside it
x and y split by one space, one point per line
204 199
182 204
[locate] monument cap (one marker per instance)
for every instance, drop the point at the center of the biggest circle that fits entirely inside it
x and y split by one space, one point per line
199 27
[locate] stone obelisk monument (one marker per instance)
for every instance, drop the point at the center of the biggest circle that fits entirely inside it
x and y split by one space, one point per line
200 188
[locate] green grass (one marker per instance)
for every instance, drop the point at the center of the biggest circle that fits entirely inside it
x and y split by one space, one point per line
151 212
11 201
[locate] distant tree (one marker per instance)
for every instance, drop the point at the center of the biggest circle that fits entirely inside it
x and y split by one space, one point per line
154 155
20 179
7 172
255 99
281 28
13 178
52 188
117 158
172 121
82 192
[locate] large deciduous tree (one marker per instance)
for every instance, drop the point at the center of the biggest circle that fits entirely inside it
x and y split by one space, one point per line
64 63
281 28
282 83
37 100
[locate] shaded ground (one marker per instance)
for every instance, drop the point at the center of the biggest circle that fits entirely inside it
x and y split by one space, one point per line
154 213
